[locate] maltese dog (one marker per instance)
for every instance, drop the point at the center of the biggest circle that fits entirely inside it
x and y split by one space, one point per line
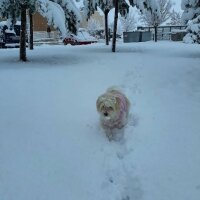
113 107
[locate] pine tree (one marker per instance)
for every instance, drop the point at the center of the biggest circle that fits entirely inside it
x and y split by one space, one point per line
191 9
151 18
193 29
10 9
191 17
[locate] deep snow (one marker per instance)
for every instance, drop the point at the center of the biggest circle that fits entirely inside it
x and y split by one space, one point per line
51 145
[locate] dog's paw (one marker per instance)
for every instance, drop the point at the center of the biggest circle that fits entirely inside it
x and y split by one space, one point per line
115 134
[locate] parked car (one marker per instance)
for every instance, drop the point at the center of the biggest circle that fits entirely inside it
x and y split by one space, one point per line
82 38
9 39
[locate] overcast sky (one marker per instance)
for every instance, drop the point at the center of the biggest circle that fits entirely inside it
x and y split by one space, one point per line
177 5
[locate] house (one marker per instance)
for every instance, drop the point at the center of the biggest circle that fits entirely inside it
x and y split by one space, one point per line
41 29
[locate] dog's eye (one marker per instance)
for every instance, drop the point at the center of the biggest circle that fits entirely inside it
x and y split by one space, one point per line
110 108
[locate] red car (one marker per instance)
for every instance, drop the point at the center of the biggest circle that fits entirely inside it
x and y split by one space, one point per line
82 38
70 40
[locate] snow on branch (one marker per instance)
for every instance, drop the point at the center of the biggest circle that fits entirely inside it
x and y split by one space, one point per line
72 14
54 14
193 29
151 5
191 9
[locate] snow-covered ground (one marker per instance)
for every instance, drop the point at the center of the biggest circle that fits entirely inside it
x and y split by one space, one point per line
51 144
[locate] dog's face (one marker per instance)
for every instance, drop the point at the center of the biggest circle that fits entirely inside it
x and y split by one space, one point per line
108 107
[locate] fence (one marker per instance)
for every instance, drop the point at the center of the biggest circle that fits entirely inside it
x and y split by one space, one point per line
164 32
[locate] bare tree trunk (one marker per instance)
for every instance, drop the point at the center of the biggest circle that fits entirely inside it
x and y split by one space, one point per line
156 33
115 26
106 27
23 33
31 31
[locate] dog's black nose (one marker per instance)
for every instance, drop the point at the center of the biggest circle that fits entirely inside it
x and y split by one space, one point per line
105 114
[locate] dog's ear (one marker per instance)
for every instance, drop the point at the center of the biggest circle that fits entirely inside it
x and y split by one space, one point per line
98 103
118 102
122 102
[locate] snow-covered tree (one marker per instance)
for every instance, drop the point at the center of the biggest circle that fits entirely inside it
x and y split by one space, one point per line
150 5
72 14
129 21
54 14
90 6
63 15
93 25
175 18
120 28
150 19
193 29
10 9
51 9
191 16
106 6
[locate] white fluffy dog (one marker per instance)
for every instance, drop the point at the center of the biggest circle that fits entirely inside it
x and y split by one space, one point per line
113 107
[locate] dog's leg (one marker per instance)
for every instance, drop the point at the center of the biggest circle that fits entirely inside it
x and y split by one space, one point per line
109 134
